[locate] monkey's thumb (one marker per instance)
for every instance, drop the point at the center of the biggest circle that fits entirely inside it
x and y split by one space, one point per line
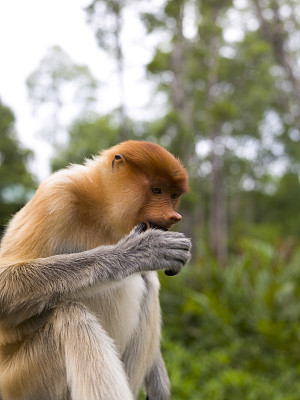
170 272
140 228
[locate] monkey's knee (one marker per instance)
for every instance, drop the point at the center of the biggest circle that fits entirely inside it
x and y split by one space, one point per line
93 365
79 330
70 312
69 317
70 309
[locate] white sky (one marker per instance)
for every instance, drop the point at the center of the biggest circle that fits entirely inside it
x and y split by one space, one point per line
28 28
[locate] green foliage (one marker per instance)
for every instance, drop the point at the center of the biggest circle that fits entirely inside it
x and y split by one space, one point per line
276 215
233 332
16 183
89 136
86 139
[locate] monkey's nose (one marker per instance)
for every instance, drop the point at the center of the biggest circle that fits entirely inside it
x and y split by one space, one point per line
174 217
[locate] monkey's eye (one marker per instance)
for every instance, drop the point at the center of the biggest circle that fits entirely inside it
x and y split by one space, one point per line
156 190
174 196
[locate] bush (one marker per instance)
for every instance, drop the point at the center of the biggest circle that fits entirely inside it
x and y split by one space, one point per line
233 332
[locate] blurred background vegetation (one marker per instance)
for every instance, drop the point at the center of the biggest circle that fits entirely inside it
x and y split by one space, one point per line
227 74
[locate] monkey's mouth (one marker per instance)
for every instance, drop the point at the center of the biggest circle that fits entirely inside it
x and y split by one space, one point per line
152 225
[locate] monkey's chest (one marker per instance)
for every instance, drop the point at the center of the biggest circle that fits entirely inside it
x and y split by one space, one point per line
118 308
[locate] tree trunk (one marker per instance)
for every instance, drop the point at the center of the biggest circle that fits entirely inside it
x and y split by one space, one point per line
218 211
180 97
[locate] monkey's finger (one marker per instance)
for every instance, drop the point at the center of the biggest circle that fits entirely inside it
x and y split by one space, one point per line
174 269
172 240
181 243
173 262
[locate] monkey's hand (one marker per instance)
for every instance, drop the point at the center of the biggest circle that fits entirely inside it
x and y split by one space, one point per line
154 249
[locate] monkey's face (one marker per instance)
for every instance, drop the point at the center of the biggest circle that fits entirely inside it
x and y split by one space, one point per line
160 206
145 185
138 199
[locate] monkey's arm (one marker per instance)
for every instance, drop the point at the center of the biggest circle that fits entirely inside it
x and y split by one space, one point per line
27 288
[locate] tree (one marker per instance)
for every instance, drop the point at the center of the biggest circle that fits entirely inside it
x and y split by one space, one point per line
279 24
16 183
223 98
106 17
65 87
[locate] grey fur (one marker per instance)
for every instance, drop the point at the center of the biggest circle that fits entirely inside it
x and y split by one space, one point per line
43 283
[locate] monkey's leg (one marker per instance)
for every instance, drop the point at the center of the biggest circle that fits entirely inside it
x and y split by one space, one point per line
34 369
93 368
142 357
157 381
70 354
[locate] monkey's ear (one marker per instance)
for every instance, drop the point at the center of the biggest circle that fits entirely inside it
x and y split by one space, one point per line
118 160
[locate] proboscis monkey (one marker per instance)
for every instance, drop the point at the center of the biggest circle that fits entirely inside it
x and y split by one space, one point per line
79 307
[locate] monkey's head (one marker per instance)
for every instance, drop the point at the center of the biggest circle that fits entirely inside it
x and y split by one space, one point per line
145 182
